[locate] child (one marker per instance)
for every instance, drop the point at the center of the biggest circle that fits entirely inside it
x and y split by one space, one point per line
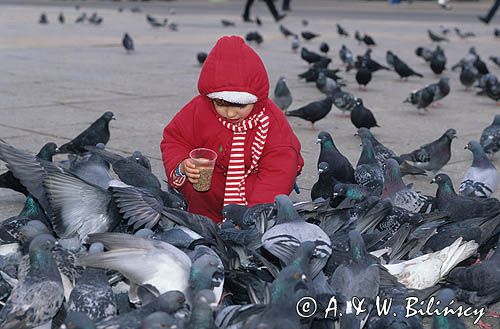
258 153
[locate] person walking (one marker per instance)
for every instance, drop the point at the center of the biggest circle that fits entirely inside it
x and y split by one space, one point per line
270 5
486 19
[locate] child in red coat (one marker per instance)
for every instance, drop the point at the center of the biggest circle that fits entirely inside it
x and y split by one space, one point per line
258 153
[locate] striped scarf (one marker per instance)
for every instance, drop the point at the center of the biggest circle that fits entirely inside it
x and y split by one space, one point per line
234 191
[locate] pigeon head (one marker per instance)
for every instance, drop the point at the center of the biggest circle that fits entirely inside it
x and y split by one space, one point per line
303 254
479 158
450 134
159 320
31 230
48 151
290 281
473 146
100 146
419 51
108 116
356 246
358 101
325 139
78 320
285 210
43 242
206 273
322 167
444 183
364 133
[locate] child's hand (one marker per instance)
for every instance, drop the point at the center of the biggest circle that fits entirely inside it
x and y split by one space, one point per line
188 168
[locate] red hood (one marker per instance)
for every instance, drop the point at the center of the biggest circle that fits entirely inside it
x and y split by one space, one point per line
232 65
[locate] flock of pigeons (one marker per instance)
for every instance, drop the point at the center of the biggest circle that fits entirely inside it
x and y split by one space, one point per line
100 244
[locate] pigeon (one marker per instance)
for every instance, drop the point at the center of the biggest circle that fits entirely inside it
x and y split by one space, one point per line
227 23
305 22
358 36
368 172
313 111
383 153
433 156
468 75
461 207
477 284
403 70
91 168
61 18
361 116
158 320
324 47
343 100
438 61
470 58
436 38
481 179
81 18
490 137
43 19
496 32
309 56
128 43
464 35
401 195
341 31
371 64
368 40
290 230
495 59
481 66
254 37
338 164
98 132
92 293
422 98
323 188
295 43
286 32
441 89
201 57
8 180
390 58
38 297
282 96
155 23
425 53
308 35
326 85
492 90
363 76
447 297
346 56
258 21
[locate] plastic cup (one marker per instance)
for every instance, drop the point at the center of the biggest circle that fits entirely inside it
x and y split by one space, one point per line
204 160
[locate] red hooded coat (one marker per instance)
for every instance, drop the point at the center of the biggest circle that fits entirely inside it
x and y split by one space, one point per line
231 66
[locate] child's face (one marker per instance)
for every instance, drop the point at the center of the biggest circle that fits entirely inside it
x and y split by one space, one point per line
234 114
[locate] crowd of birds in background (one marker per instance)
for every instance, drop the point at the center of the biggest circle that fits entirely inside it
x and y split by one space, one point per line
100 244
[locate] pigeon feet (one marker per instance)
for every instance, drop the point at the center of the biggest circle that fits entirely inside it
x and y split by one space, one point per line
493 314
483 325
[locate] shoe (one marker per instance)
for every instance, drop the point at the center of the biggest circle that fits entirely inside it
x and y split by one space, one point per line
286 9
247 19
483 19
280 17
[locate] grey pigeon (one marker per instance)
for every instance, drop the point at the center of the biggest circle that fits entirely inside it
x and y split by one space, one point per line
368 172
295 43
361 116
422 98
290 230
98 132
481 179
346 57
325 84
343 100
438 61
282 96
441 89
495 59
490 137
38 297
128 43
400 195
436 38
433 156
468 75
470 58
464 35
492 90
92 294
92 168
81 18
461 207
313 111
424 52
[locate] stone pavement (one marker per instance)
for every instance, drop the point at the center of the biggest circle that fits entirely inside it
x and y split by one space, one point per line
57 79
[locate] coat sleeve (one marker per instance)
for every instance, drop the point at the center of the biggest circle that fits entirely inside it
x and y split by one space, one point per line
176 143
278 169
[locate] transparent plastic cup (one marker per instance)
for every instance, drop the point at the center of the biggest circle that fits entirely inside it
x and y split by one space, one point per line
204 160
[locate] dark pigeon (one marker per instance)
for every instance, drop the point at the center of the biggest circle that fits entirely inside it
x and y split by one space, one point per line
338 164
438 61
307 35
368 40
128 43
495 59
433 156
481 179
43 19
201 57
324 48
422 98
441 89
490 137
468 75
368 172
363 76
141 159
313 111
61 18
390 58
81 18
403 70
341 31
492 90
98 132
309 56
362 117
227 23
254 37
286 32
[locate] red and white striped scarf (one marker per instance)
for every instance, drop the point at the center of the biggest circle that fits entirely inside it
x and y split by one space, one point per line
234 191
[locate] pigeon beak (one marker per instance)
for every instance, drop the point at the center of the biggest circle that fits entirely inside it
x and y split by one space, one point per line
356 134
466 147
320 171
213 306
57 150
433 181
318 141
335 194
